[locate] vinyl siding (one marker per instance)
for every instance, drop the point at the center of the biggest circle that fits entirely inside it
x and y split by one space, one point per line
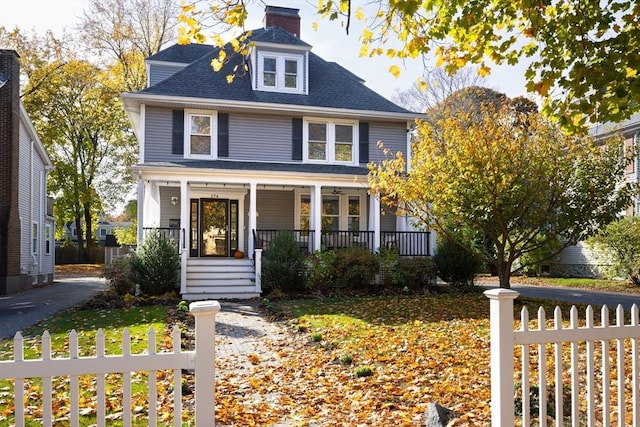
276 209
158 133
168 210
159 72
262 138
393 136
32 207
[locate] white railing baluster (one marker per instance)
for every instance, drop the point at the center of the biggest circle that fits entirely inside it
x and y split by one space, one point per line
559 400
153 387
526 403
126 379
101 412
620 366
634 367
18 356
74 387
606 375
591 399
47 415
177 379
542 371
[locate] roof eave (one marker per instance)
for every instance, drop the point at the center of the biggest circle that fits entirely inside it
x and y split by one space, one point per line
133 100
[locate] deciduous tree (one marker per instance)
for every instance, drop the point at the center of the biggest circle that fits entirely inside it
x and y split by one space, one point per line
580 54
503 181
85 133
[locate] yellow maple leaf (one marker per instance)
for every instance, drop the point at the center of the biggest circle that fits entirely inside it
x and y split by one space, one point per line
395 71
484 71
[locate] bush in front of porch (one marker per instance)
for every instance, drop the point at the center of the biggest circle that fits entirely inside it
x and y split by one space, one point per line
283 267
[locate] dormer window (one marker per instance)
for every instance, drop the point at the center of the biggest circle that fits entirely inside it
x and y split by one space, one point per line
280 72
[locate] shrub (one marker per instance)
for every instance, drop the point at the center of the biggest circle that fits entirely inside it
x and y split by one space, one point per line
155 265
349 268
321 270
283 268
619 242
118 275
455 264
414 273
355 268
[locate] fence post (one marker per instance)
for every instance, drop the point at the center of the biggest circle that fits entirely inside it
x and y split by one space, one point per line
205 318
501 319
257 258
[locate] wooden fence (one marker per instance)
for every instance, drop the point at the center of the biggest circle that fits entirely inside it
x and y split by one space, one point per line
577 374
200 360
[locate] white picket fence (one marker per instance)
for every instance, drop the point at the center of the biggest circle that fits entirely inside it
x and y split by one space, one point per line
201 360
582 374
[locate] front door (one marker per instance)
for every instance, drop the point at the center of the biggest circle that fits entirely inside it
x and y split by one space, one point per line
214 227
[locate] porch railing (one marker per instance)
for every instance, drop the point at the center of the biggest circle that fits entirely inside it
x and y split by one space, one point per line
406 243
164 232
262 239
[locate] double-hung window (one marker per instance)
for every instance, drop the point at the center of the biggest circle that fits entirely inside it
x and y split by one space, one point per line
330 142
200 134
280 72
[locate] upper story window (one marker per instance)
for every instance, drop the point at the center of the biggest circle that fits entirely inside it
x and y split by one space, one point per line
280 72
200 134
330 141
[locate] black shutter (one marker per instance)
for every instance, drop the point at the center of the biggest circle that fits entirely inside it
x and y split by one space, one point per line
364 143
177 146
223 135
296 138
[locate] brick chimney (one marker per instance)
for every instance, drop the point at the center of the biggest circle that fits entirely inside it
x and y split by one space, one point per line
9 151
282 17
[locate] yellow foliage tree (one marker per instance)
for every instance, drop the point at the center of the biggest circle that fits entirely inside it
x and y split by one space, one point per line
579 52
491 170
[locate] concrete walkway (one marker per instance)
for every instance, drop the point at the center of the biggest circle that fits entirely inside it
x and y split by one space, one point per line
23 309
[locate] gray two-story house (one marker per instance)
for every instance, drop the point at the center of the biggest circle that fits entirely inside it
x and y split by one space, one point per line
284 146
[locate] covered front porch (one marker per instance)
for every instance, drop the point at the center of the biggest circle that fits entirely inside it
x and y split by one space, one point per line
222 224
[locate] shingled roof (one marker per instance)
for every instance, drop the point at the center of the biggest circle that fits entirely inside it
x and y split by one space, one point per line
330 85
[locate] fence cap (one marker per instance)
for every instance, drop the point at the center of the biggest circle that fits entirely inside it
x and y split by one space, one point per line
501 293
209 306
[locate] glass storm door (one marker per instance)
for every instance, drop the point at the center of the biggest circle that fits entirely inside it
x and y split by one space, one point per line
214 227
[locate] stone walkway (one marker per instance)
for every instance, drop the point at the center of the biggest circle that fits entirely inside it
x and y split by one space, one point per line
243 333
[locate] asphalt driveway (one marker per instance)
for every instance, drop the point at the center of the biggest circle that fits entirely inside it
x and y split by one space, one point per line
23 309
576 296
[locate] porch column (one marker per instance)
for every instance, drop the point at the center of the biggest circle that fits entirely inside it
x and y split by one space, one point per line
140 217
185 232
252 217
374 219
316 216
151 205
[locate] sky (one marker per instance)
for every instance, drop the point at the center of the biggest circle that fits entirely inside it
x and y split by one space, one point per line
329 42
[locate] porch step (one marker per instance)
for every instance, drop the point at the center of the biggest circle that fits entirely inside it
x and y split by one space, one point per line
220 278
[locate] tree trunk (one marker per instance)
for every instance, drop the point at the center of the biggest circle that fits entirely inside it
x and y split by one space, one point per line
504 274
79 235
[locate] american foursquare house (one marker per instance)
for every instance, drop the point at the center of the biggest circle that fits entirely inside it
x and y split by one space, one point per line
225 166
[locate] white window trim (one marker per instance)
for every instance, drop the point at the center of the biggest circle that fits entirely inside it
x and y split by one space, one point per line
343 209
331 143
48 239
35 238
214 134
280 74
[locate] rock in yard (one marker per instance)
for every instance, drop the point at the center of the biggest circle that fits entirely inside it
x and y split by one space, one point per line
437 415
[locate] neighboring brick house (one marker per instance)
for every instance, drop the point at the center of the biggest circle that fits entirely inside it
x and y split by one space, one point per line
26 221
285 146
